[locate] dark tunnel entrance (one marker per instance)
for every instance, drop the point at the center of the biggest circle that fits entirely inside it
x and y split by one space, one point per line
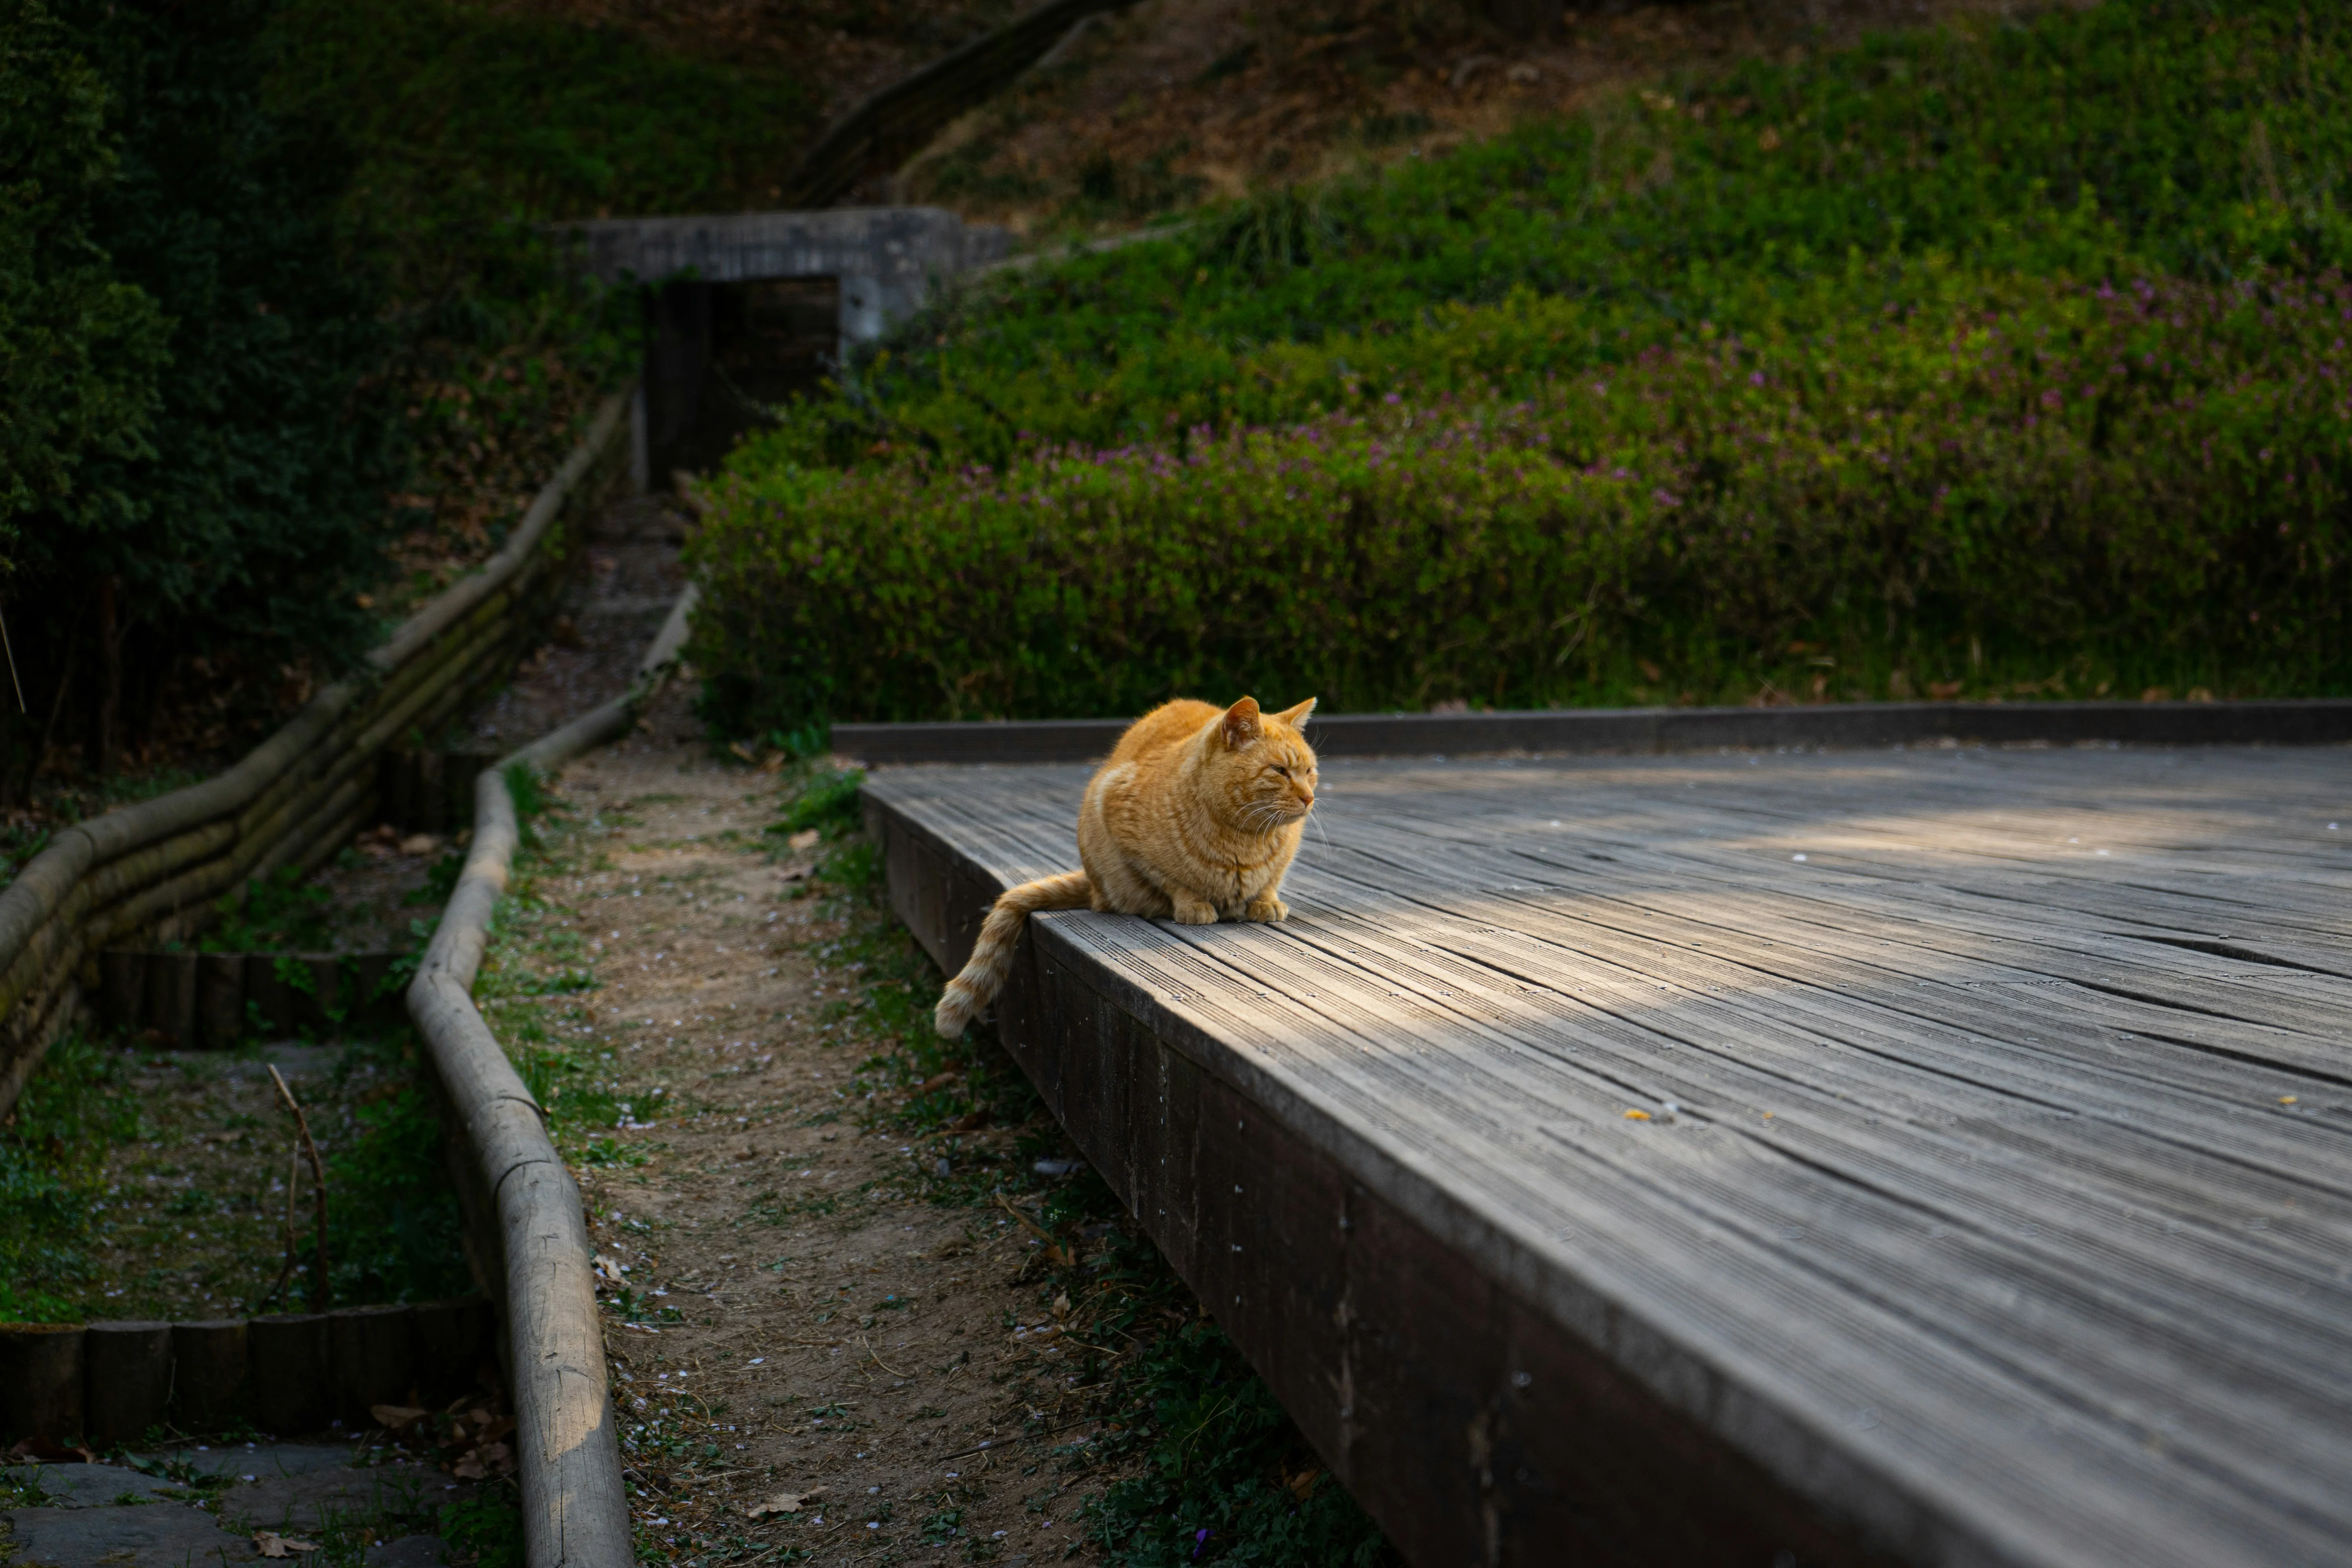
718 355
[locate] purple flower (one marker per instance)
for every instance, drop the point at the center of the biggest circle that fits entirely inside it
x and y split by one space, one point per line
1756 378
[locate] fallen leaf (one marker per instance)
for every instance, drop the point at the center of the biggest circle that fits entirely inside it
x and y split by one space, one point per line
1637 1116
420 843
783 1502
609 1269
805 840
394 1416
270 1543
43 1450
1302 1485
1062 1305
470 1468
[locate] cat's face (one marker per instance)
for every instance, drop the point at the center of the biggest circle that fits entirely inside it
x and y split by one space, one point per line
1260 768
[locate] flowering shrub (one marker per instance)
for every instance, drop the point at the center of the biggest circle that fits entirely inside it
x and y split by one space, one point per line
2129 483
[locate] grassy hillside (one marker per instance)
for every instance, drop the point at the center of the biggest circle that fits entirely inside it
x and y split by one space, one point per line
1987 280
2177 138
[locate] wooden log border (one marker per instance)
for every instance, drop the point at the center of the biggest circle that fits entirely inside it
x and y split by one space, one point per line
235 993
2304 722
149 873
291 1374
523 1222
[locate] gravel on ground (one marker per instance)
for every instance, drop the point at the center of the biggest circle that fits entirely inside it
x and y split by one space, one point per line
807 1351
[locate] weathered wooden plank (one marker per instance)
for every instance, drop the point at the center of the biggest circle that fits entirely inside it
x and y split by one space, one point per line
2006 1170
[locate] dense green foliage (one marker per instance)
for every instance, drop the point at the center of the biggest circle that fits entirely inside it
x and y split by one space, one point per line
1348 443
78 347
2153 479
277 298
225 483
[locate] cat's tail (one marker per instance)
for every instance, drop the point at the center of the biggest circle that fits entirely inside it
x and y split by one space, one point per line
991 956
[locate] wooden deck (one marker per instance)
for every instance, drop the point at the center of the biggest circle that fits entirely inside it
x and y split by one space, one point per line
1993 1202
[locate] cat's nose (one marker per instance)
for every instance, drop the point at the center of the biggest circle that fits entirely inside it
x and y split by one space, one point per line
1305 799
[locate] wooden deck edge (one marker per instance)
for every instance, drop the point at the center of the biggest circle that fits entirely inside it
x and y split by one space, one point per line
2309 721
1445 1389
522 1208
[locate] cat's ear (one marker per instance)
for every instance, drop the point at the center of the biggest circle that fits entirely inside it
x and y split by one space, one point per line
1240 724
1295 717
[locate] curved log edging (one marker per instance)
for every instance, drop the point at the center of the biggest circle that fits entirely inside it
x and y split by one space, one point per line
522 1208
151 870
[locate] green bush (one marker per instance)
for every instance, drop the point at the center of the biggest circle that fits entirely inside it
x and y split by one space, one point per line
2149 481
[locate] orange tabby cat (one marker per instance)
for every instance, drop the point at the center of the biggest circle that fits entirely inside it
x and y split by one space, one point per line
1195 815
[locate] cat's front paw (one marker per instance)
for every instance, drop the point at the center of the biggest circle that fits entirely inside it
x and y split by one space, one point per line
1194 912
1266 907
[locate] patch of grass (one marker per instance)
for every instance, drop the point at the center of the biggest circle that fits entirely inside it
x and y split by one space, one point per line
286 911
824 801
123 1197
774 1208
52 1163
392 1217
486 1530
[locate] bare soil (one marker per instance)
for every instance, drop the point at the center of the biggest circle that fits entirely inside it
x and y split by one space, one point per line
796 1325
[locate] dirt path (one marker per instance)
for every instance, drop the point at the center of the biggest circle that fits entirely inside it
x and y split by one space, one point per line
795 1318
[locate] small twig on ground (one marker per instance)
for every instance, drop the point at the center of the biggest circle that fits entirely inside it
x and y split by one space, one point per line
318 1190
286 1268
885 1365
1020 1437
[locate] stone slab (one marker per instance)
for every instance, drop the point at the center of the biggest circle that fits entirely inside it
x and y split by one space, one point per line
89 1486
313 1500
160 1535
